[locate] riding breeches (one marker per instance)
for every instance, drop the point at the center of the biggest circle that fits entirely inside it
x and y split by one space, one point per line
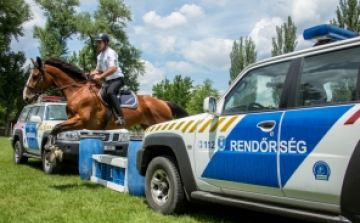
113 86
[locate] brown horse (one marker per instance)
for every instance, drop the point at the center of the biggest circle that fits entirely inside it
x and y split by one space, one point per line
85 109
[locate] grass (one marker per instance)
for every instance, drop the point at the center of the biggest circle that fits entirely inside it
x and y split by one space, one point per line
28 195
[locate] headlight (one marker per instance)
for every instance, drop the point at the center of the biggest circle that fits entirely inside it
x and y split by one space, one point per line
69 136
124 137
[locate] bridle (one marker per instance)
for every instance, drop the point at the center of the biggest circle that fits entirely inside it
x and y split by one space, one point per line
42 76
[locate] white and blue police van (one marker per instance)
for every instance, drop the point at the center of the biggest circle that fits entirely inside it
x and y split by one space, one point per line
283 139
34 125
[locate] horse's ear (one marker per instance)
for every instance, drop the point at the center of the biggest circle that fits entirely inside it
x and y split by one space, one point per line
33 61
39 62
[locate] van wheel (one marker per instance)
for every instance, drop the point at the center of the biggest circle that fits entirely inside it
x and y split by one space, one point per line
50 168
163 188
19 158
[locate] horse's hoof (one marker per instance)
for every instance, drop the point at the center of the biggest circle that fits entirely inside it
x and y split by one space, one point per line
52 157
59 155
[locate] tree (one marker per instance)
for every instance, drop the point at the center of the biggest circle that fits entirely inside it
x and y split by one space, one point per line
243 53
162 90
12 15
14 81
110 17
177 92
199 93
285 41
348 15
60 26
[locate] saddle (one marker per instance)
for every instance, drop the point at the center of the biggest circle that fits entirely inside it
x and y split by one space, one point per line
127 98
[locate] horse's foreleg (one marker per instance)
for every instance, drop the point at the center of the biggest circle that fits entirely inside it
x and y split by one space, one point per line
68 125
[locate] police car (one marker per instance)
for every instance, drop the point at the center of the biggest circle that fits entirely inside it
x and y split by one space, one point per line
33 127
283 139
35 123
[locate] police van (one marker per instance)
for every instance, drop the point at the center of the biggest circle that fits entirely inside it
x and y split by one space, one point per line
37 120
33 127
283 139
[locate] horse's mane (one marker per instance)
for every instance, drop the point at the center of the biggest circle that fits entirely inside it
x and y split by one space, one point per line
69 69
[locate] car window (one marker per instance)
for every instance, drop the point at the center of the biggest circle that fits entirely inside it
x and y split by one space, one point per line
32 112
40 112
24 113
258 90
329 78
56 112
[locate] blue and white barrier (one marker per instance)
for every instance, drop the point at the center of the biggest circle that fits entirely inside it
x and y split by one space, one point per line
110 171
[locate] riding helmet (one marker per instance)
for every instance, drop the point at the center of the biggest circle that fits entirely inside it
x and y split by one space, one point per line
103 36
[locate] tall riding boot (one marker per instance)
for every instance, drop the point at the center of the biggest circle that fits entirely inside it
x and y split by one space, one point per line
114 100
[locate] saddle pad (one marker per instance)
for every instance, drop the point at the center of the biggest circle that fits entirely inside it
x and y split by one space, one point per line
126 100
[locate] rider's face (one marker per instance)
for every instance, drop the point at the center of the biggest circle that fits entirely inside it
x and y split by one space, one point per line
100 44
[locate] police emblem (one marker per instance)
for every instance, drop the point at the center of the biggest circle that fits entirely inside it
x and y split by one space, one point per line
221 143
321 171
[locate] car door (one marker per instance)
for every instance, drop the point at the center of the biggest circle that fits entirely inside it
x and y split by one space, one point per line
31 132
323 128
237 151
40 128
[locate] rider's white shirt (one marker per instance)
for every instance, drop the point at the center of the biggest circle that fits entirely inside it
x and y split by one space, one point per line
108 59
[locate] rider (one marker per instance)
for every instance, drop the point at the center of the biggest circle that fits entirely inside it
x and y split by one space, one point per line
107 67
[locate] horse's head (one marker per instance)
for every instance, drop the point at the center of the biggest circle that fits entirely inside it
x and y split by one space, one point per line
38 81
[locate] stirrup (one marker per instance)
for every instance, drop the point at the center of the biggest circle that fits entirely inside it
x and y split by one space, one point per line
120 121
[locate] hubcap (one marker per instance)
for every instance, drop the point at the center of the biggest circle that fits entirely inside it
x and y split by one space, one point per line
160 189
17 153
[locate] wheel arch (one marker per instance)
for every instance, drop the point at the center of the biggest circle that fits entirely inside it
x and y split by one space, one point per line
168 144
18 136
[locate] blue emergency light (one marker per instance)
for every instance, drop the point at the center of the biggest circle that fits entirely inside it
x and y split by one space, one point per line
328 32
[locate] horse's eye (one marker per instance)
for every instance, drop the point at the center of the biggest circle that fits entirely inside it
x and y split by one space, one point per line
35 77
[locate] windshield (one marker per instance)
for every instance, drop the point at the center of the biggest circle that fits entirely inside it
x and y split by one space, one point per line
56 112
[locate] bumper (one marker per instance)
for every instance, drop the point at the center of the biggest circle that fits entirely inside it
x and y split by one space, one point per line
70 149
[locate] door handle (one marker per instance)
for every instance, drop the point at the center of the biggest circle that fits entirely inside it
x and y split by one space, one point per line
266 126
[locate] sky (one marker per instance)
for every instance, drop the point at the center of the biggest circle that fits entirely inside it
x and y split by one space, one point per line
194 38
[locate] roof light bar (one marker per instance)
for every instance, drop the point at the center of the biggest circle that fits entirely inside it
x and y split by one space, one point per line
327 32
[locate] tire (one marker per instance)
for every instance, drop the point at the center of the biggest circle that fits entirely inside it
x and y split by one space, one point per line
163 188
18 152
50 168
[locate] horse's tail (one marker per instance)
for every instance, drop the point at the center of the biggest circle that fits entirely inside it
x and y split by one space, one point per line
177 111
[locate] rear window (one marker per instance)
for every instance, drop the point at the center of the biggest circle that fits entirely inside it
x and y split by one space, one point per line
329 78
56 112
24 113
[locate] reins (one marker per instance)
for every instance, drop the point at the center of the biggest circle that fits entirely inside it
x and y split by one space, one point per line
39 92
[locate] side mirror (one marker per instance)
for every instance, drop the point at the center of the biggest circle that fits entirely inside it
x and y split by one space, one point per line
210 105
35 119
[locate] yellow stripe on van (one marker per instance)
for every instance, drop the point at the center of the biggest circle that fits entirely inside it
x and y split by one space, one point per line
179 125
193 128
171 126
166 125
205 125
217 124
159 126
228 123
187 126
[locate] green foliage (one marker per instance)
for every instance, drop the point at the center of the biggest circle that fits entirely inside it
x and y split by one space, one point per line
13 81
243 53
12 15
177 92
110 17
285 41
348 15
199 93
60 26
